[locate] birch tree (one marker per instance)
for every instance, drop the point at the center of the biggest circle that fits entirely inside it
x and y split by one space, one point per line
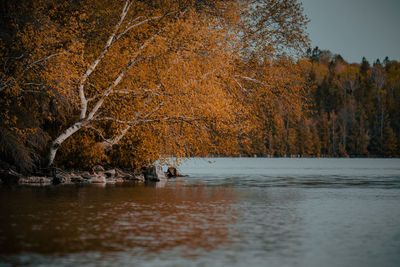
172 74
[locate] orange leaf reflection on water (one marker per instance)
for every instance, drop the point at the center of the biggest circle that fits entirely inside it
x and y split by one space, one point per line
121 218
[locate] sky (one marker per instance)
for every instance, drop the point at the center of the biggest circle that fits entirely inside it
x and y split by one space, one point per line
355 28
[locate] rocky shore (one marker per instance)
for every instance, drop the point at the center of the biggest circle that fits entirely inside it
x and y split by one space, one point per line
98 175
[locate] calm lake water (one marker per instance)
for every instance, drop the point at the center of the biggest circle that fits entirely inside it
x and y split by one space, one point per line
236 212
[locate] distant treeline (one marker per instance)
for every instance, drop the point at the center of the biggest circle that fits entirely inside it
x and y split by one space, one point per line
354 111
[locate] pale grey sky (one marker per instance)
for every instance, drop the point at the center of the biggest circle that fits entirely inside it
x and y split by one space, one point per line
355 28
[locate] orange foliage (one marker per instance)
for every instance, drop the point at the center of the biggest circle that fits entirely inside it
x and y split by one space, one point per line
132 82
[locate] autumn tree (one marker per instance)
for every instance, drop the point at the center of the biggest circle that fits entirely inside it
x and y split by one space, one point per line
390 141
132 81
362 98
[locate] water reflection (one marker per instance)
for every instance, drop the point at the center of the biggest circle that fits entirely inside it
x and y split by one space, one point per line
241 212
76 219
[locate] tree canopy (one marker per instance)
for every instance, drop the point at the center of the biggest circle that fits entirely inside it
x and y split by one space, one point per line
131 82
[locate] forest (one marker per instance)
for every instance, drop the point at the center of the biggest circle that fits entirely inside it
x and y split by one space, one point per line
127 83
353 111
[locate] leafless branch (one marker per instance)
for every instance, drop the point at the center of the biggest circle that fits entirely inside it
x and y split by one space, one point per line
130 27
249 79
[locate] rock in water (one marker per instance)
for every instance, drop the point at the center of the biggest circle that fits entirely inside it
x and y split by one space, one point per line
86 175
61 179
97 168
154 173
35 180
172 172
119 180
111 181
12 177
110 173
78 179
97 180
138 177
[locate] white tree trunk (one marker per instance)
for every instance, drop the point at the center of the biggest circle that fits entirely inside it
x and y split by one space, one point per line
107 144
78 125
61 138
85 118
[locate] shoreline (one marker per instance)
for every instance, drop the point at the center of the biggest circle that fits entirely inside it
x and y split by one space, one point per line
98 175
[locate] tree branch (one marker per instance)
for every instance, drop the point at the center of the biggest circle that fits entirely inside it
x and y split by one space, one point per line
131 63
99 132
93 66
128 28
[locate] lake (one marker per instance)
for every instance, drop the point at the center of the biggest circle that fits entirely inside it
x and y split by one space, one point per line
229 211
